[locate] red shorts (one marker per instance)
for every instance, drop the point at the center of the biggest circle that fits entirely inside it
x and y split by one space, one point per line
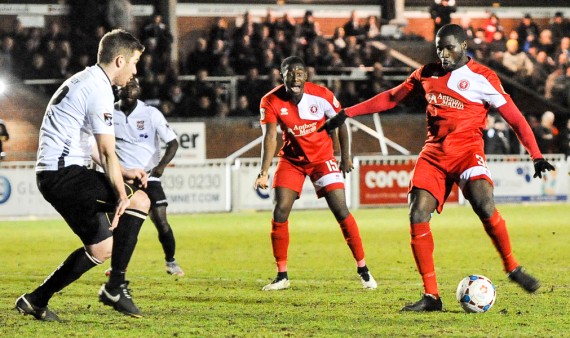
436 171
326 176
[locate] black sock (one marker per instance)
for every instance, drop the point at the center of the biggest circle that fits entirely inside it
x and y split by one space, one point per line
69 271
362 269
168 244
282 275
125 238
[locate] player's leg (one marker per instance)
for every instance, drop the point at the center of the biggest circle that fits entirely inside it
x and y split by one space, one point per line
73 192
479 193
422 205
336 200
284 199
115 292
166 237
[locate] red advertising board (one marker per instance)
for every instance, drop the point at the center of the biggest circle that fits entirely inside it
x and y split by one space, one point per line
388 183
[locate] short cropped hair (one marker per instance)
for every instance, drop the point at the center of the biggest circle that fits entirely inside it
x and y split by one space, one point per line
117 42
290 61
452 29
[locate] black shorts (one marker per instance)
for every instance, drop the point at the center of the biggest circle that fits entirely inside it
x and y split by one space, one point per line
156 194
83 197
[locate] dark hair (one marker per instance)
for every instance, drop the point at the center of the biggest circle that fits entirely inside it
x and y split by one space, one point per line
290 61
452 29
117 42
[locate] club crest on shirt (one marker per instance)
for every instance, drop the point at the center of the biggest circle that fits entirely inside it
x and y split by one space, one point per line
314 109
463 84
108 119
284 111
140 125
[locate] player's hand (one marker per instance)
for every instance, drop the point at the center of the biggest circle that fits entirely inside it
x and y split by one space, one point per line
122 205
157 171
540 166
346 166
261 181
136 175
334 122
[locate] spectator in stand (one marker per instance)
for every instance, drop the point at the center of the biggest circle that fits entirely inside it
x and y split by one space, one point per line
468 28
267 62
158 30
63 69
219 31
203 107
560 27
546 134
120 14
496 137
223 68
243 55
563 48
498 44
372 27
199 58
288 25
543 65
201 86
478 48
252 87
216 50
545 42
353 26
180 101
491 27
307 30
552 84
222 110
242 108
440 12
7 55
528 32
517 63
338 39
351 51
54 33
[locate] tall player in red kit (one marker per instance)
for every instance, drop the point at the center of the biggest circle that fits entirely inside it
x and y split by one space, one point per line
459 92
300 108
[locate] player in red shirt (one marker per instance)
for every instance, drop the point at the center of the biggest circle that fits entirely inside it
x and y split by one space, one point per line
459 92
300 108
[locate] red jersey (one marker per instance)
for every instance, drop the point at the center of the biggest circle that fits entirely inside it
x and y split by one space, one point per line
299 122
457 105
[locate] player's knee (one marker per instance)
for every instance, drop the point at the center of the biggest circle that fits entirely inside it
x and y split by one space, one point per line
140 201
101 251
419 216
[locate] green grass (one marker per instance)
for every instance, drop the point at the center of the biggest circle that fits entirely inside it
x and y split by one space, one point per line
228 258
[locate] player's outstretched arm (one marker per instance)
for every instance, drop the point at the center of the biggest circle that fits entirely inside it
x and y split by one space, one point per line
541 166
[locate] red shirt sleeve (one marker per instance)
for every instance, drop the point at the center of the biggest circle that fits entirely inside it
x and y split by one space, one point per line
387 99
516 120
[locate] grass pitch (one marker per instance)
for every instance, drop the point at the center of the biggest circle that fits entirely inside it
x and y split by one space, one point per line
227 259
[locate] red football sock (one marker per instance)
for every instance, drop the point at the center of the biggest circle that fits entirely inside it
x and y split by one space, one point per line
280 243
352 236
422 248
496 229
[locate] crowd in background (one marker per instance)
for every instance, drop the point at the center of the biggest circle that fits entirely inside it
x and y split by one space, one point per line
538 57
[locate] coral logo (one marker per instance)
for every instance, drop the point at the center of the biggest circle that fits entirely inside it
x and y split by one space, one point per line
5 189
387 179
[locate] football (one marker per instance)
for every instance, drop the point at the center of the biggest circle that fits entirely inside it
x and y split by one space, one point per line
476 293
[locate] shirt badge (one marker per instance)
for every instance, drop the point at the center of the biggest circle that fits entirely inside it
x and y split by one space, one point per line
140 125
284 111
314 109
108 119
463 84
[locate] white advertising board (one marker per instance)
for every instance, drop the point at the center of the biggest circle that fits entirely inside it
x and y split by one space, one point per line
196 189
514 182
191 140
19 194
